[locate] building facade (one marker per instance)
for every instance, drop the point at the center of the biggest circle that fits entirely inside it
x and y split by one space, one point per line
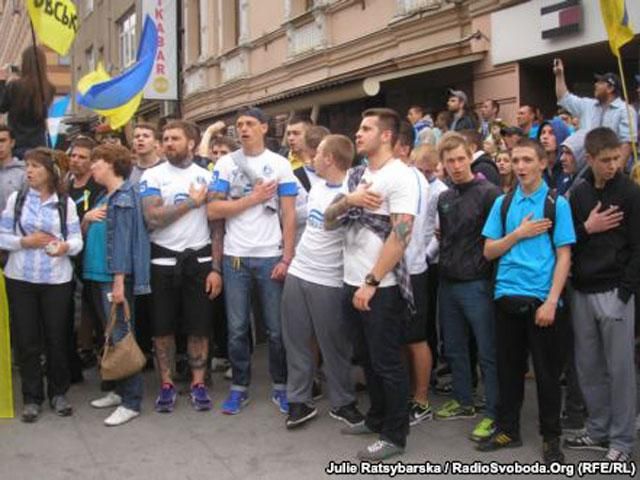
333 58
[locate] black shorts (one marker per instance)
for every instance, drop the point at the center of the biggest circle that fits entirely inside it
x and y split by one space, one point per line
417 328
181 305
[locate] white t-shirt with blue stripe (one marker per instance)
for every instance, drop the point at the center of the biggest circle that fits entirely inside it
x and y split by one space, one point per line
256 231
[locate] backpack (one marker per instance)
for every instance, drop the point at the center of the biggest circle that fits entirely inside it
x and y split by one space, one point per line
61 206
549 210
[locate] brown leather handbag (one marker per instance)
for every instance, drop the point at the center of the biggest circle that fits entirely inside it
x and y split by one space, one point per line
124 358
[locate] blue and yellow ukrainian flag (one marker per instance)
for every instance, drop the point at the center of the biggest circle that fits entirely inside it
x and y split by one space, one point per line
616 21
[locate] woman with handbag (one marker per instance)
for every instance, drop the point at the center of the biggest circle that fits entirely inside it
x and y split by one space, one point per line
40 229
116 268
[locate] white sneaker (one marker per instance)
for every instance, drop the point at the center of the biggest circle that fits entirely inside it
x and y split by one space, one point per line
111 399
120 416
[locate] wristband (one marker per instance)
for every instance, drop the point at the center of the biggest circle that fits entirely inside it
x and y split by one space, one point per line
286 262
191 203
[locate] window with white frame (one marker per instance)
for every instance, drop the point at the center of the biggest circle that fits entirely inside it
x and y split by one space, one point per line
127 39
90 58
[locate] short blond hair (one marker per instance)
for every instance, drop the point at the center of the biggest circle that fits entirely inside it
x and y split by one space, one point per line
341 148
426 154
451 141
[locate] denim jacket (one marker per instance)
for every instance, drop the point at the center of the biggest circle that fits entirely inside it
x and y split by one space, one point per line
128 247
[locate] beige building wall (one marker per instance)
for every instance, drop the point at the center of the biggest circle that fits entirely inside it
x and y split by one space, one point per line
16 36
277 54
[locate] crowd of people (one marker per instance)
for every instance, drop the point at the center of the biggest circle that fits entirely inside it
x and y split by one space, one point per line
488 250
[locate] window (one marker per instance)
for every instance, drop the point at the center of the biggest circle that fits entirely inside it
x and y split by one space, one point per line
90 58
127 39
88 7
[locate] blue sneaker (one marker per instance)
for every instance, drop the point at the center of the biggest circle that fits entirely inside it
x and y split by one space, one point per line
166 401
234 402
279 397
200 398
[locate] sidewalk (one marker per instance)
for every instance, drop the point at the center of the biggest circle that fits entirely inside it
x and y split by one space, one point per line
252 445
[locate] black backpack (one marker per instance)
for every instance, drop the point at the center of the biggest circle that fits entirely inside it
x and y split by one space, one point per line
61 207
549 210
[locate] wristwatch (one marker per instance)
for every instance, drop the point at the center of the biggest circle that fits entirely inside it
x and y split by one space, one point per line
370 280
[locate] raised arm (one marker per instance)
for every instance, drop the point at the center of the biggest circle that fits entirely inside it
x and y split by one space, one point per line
561 84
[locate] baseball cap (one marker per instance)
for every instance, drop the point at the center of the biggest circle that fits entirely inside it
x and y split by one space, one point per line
254 112
459 94
511 131
610 78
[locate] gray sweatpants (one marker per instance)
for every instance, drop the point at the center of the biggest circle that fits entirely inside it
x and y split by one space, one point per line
310 309
604 349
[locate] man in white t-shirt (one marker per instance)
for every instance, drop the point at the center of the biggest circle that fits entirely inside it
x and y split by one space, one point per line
419 353
312 298
254 191
184 277
375 276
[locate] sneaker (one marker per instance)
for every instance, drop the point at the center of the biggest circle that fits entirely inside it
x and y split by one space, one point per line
359 429
380 450
279 397
551 452
30 413
111 399
166 401
61 406
585 442
299 413
497 441
614 455
119 416
316 389
419 412
348 414
452 410
200 398
484 429
234 402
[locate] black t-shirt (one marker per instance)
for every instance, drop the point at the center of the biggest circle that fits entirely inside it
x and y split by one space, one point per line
85 197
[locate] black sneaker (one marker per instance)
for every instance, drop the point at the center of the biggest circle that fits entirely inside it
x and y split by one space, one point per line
31 412
585 442
419 412
299 413
498 441
443 388
551 452
61 406
348 414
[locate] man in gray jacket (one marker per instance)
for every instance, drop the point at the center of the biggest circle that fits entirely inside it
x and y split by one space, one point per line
12 174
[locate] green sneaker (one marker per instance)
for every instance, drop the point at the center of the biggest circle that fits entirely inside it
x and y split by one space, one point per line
484 429
452 410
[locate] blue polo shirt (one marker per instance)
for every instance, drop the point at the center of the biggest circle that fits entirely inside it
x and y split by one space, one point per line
527 268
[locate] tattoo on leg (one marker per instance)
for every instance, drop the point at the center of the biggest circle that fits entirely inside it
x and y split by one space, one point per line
197 350
166 356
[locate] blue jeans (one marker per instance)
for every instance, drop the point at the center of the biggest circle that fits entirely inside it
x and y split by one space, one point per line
239 276
464 306
130 389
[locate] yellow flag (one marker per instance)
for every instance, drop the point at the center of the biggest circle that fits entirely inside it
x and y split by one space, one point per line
116 117
616 22
6 390
55 22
